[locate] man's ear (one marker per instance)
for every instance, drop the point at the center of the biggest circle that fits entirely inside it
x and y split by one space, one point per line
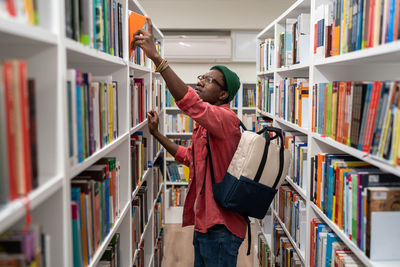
223 95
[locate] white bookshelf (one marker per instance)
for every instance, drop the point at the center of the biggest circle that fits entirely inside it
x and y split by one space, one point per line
376 63
49 54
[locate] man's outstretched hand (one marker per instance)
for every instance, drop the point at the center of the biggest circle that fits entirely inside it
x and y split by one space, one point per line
145 40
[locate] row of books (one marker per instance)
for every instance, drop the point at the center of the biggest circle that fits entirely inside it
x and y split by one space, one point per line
266 51
265 91
175 196
178 123
139 95
111 256
177 172
139 158
285 254
158 177
264 251
169 99
343 26
18 134
360 199
249 96
363 115
292 98
249 121
25 248
140 215
293 43
92 113
181 142
94 207
326 249
158 219
263 122
296 143
96 23
156 92
292 212
23 11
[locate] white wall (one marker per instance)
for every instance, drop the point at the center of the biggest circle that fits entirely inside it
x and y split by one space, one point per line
188 72
214 14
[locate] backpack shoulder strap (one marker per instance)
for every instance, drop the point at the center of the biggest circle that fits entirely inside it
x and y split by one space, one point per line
210 156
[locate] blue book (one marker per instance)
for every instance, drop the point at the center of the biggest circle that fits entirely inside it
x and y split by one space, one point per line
392 7
76 236
79 121
359 24
329 205
321 108
323 182
322 228
330 239
107 203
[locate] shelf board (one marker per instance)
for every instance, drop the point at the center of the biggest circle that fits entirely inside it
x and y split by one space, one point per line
179 134
266 73
14 32
13 211
138 127
171 109
144 178
77 52
157 155
294 70
357 252
249 109
140 69
297 188
386 53
177 183
300 253
75 170
380 163
291 125
264 113
99 252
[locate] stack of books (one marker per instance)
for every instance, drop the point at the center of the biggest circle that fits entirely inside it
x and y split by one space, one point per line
139 95
18 133
22 11
92 113
139 158
95 207
343 26
111 256
267 55
97 24
175 196
140 215
285 254
265 91
360 199
178 123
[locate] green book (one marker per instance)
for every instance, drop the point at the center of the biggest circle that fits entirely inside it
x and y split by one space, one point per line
105 28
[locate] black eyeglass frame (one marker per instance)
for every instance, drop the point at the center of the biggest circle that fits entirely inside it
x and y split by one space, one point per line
210 80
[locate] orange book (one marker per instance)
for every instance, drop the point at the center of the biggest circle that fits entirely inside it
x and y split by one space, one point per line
376 92
340 116
321 158
346 110
136 22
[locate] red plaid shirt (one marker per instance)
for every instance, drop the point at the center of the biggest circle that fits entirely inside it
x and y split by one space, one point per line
224 134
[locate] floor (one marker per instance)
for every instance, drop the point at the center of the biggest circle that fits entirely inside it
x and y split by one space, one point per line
179 248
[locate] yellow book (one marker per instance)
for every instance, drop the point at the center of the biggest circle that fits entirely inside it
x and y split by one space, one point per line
343 28
110 112
396 136
186 172
28 4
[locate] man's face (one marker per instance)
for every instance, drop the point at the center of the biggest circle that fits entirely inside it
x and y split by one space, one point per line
210 87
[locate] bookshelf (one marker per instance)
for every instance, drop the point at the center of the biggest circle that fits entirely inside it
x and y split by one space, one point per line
49 55
377 63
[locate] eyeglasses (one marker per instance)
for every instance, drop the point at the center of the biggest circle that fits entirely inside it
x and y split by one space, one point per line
209 79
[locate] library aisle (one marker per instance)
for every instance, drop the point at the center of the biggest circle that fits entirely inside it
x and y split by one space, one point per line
84 183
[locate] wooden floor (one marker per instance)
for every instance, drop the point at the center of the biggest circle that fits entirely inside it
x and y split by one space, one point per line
179 250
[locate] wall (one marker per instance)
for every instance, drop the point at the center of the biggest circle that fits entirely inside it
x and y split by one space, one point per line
214 14
188 72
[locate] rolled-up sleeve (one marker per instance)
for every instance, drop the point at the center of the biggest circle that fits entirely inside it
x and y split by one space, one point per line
215 119
184 155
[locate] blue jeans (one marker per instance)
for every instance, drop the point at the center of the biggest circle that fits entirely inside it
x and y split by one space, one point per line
217 248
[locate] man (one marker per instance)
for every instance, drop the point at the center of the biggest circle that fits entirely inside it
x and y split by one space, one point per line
218 232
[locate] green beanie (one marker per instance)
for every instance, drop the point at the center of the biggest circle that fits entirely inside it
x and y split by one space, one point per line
231 79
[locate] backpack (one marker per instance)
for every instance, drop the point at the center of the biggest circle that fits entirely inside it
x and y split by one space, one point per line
255 173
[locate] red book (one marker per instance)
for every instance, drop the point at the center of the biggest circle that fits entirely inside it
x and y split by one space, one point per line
372 116
371 13
315 37
346 124
10 114
26 144
11 8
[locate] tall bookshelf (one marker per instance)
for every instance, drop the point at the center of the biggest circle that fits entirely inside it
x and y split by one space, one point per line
376 63
49 54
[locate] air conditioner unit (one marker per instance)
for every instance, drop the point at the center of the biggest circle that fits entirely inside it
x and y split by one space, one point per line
198 48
